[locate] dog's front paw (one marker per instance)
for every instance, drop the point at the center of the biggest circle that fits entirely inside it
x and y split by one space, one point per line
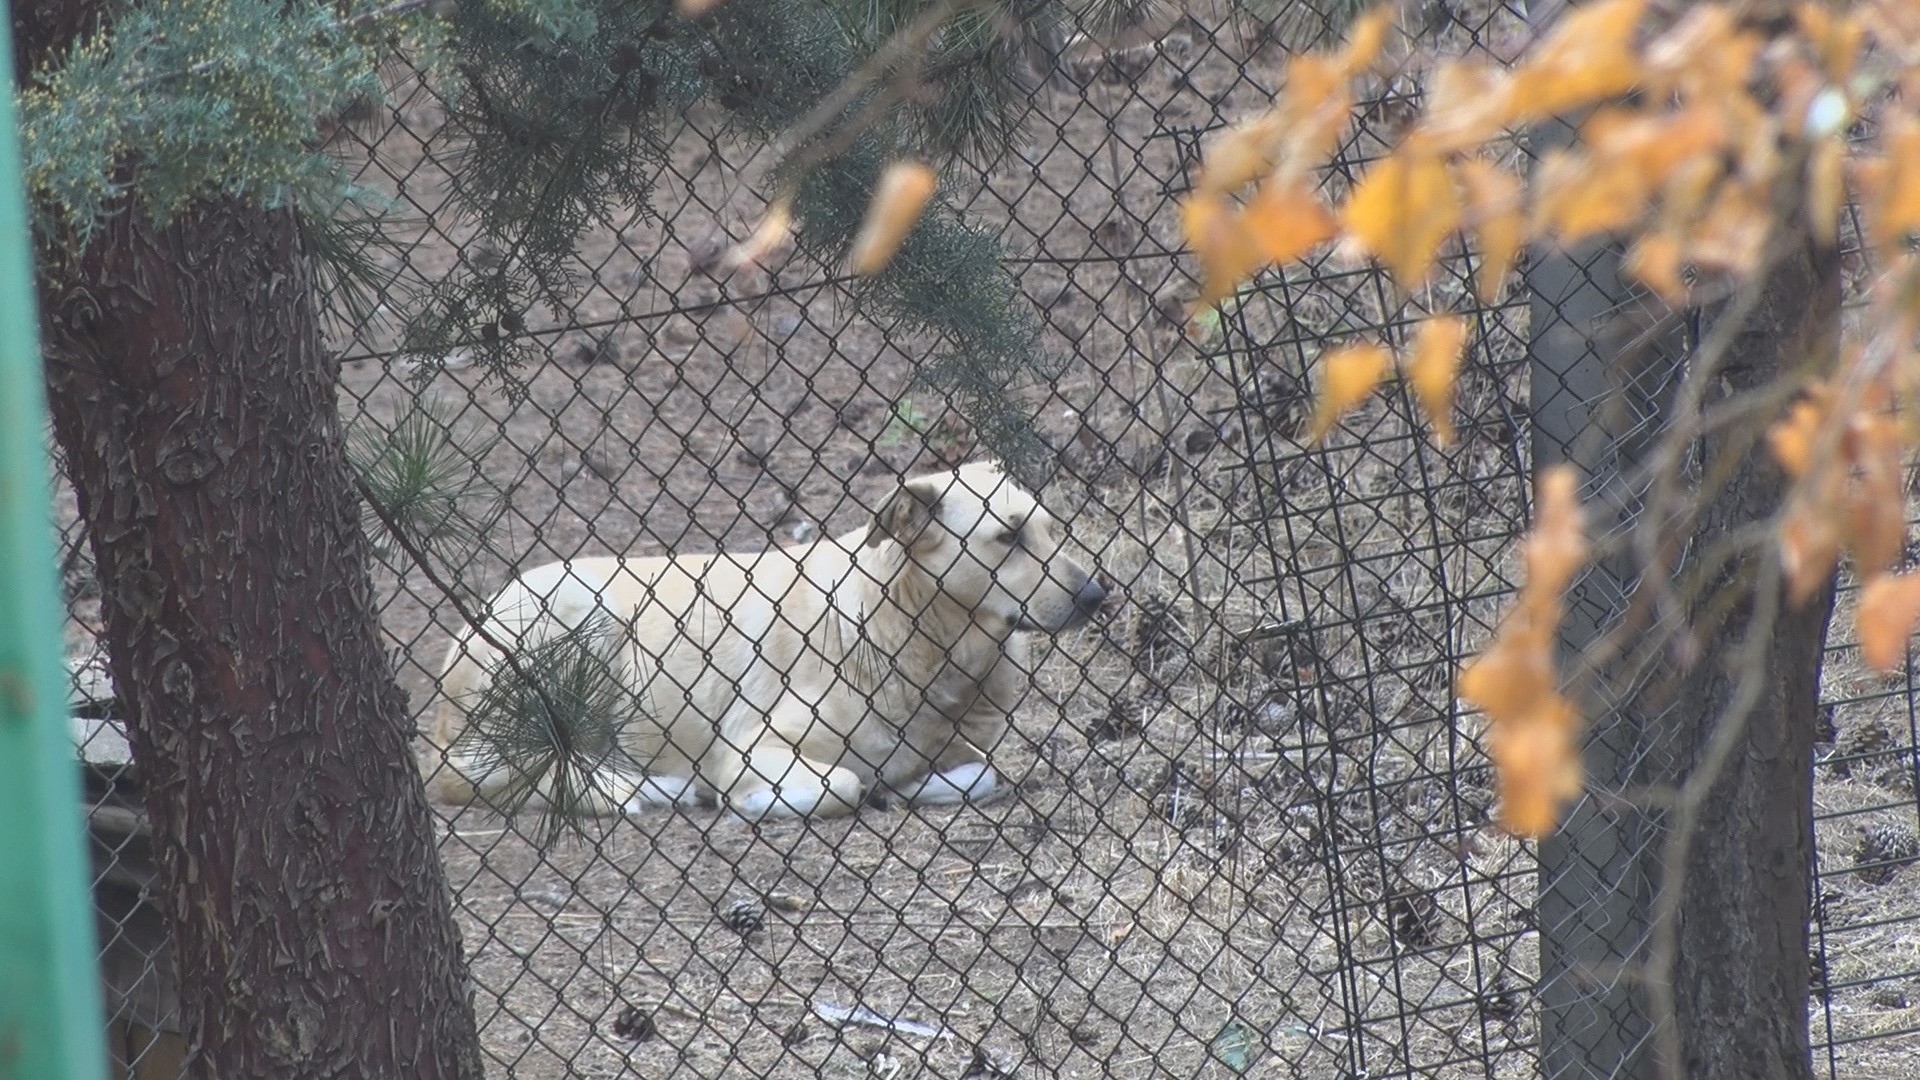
970 782
658 791
832 793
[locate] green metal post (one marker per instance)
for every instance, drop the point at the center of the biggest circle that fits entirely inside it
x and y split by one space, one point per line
50 1015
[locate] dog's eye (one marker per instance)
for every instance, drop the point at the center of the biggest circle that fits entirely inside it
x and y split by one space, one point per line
1011 537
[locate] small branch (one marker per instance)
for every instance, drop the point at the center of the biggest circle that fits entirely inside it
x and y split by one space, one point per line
478 625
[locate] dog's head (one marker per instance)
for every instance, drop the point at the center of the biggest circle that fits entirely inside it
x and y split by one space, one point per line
989 546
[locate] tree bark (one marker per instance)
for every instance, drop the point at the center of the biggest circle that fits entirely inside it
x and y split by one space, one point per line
1742 972
310 914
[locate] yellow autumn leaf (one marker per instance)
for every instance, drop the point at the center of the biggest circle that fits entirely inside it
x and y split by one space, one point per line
1467 104
1348 375
1365 39
1587 58
1241 155
1315 107
898 199
1287 221
1537 758
1826 189
1533 731
1574 199
1704 55
1889 608
1497 217
1655 260
1653 147
1228 254
1733 233
1685 192
1809 550
1876 499
775 228
1556 546
1435 369
1504 681
1896 212
1401 211
1792 438
1835 40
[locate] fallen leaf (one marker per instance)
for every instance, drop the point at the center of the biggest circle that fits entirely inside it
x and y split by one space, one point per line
1349 374
898 200
1435 368
1889 608
1401 211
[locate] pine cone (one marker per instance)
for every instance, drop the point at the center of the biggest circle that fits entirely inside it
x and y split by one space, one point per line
744 917
1157 630
1859 747
1883 850
1123 721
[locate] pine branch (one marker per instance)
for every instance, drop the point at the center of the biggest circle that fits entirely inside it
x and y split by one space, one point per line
565 807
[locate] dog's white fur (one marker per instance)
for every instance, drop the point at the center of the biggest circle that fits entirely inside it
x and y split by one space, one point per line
793 681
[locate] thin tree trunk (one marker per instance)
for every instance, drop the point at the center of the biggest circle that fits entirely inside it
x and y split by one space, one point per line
1741 973
311 919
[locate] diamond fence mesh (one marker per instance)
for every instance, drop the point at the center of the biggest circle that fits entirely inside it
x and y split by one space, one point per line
1249 827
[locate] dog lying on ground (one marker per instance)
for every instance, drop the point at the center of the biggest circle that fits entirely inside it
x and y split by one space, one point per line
800 680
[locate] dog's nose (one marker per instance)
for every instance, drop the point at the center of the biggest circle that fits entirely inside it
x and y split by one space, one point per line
1091 595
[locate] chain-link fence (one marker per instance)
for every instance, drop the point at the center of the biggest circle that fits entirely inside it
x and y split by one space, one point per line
1249 827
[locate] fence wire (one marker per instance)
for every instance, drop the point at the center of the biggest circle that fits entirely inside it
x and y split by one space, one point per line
1249 828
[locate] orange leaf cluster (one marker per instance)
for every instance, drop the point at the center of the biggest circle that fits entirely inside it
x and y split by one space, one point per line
1849 496
1279 150
1698 121
1534 731
1431 368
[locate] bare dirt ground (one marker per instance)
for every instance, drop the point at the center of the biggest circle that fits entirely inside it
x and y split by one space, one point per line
1249 823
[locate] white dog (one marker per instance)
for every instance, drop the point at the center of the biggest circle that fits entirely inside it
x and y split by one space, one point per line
800 680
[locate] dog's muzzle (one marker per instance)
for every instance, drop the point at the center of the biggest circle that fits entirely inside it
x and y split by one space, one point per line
1087 601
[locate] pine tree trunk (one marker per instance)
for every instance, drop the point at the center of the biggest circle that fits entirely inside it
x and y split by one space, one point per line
311 919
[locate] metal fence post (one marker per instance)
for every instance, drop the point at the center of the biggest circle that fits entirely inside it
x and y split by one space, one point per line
1595 890
50 1023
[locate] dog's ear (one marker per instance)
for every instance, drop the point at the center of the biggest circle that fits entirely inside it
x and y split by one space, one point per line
904 516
